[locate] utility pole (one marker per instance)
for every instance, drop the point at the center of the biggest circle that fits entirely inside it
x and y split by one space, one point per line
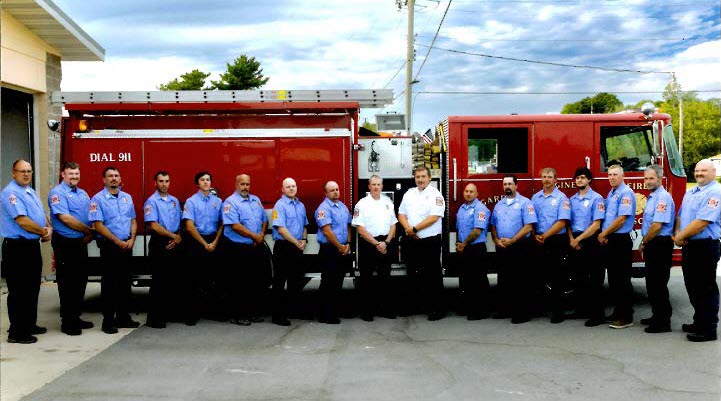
409 64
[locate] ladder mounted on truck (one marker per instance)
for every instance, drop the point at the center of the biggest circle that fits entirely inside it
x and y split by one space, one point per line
366 98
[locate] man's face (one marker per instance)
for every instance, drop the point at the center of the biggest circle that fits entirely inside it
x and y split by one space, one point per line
243 186
615 177
422 179
704 173
332 191
650 178
548 180
204 183
112 179
375 186
162 183
23 173
509 187
470 193
290 189
71 176
582 181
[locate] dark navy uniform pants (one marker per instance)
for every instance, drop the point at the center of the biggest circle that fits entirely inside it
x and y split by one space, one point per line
115 285
658 254
700 258
590 276
22 265
71 262
374 280
619 258
424 274
473 279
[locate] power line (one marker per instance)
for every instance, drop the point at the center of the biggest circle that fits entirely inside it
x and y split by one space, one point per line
547 62
433 41
395 75
575 40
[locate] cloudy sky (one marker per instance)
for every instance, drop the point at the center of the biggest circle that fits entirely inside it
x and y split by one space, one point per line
327 44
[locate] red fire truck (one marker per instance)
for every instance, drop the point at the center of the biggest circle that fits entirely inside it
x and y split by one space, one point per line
313 136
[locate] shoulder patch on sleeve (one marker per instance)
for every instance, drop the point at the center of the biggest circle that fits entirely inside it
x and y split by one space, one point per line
93 207
566 205
226 208
275 214
601 207
531 209
148 209
661 207
356 211
439 201
712 202
626 201
13 199
55 199
321 214
482 215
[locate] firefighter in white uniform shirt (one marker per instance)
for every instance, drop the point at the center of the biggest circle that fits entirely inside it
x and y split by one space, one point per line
421 215
375 219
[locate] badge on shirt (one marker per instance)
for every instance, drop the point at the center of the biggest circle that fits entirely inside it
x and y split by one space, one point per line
601 207
321 214
553 202
215 205
275 214
55 199
13 199
173 202
516 205
226 209
626 201
439 201
125 199
661 207
148 209
93 207
712 203
586 202
482 215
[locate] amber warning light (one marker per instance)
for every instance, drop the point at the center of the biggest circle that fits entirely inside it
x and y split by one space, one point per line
83 126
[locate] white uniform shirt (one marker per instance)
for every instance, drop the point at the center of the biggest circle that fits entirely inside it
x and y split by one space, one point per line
416 206
377 216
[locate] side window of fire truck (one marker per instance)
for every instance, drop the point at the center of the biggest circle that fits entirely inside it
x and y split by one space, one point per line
497 150
674 157
630 147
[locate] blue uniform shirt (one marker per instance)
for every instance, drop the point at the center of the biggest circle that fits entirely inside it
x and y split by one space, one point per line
509 218
620 202
164 211
19 201
659 209
586 209
247 211
204 211
115 212
66 200
289 213
550 209
337 215
702 203
470 217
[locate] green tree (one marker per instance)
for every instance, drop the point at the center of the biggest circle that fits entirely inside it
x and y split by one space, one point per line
702 128
244 73
600 103
193 80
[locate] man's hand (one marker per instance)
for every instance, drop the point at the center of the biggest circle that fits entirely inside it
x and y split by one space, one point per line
382 247
540 239
47 235
602 239
460 246
575 244
301 244
344 249
506 242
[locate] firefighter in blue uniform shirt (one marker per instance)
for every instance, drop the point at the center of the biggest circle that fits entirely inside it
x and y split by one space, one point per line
553 211
23 224
588 210
511 229
291 236
421 215
113 216
71 235
162 216
203 231
617 247
472 225
698 228
333 219
657 249
245 224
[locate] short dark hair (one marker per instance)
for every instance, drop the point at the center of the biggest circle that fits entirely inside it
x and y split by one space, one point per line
106 169
421 168
159 173
515 179
583 171
200 175
70 166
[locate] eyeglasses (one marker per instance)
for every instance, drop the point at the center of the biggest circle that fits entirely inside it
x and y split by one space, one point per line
24 171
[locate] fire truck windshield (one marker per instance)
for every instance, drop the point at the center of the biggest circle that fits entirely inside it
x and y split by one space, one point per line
629 147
